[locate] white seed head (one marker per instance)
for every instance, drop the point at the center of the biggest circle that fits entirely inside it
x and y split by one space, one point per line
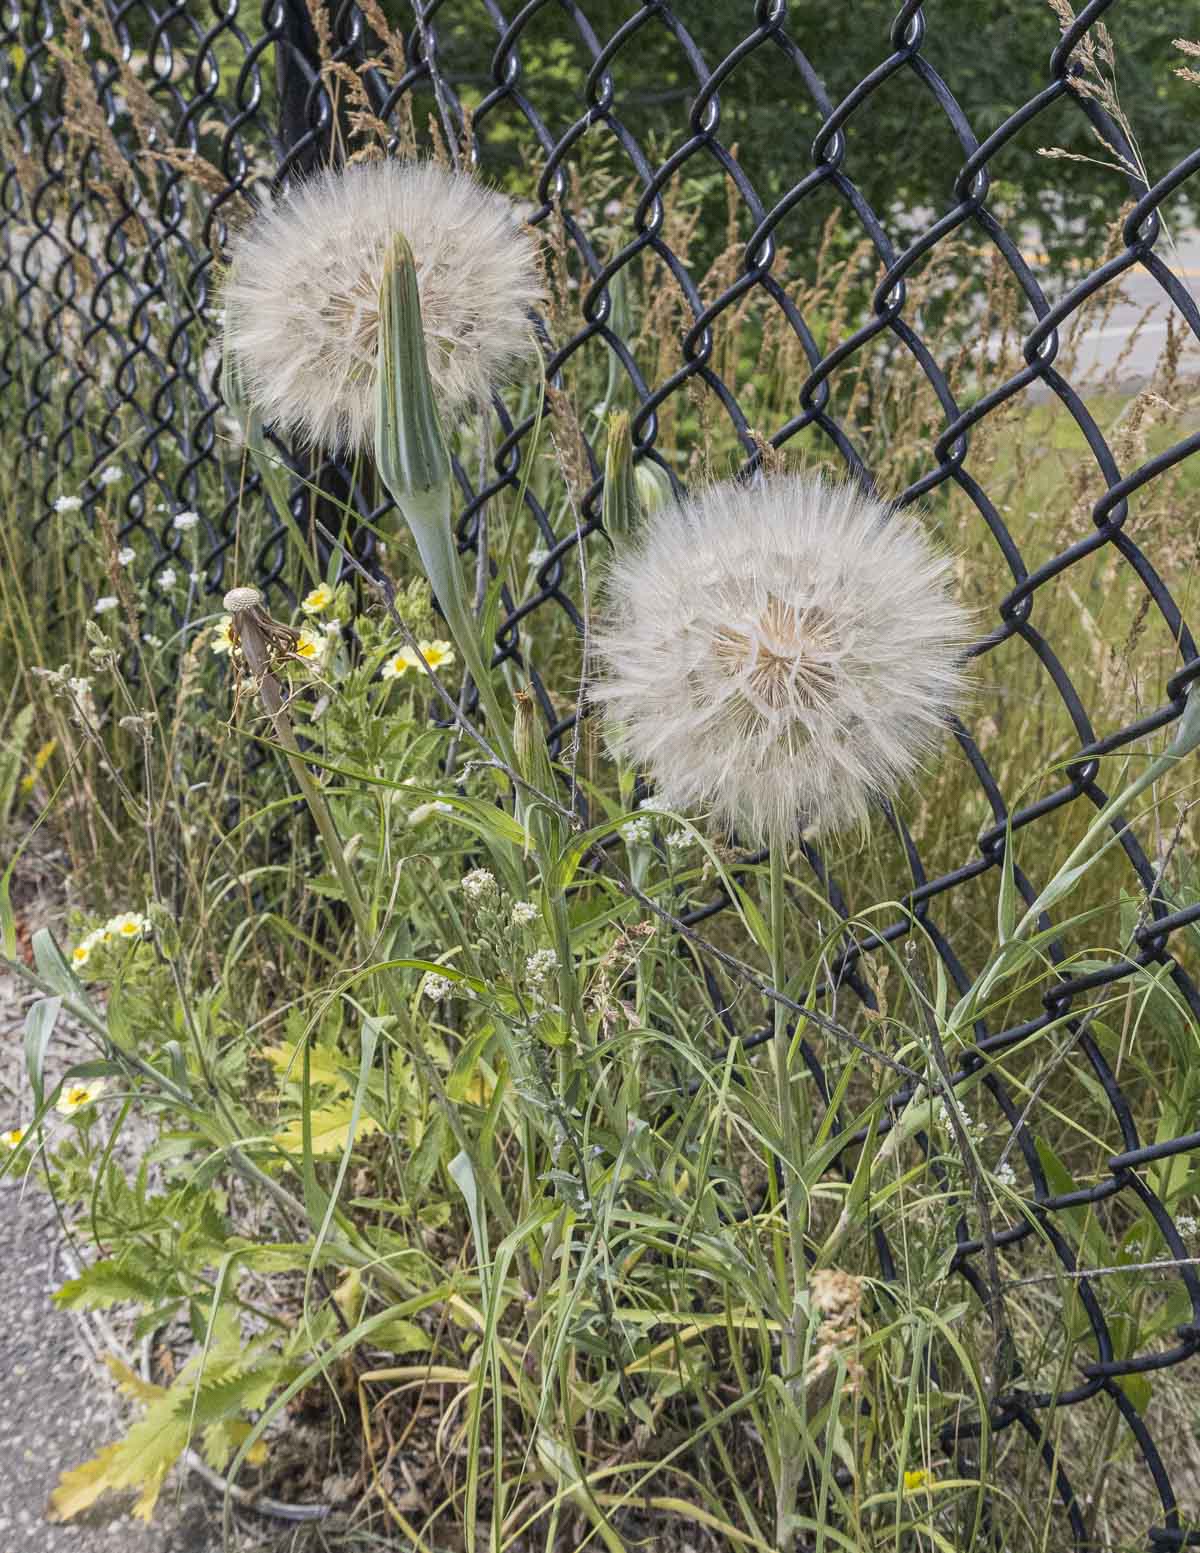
774 656
302 294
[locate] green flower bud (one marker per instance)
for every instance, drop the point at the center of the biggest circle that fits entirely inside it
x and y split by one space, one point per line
621 510
409 446
653 486
531 756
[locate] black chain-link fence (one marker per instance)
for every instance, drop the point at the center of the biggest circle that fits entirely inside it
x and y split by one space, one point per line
119 187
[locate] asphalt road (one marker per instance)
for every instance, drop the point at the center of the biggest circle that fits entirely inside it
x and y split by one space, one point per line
1130 340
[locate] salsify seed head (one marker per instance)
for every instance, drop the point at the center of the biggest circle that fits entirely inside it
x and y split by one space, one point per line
301 294
775 655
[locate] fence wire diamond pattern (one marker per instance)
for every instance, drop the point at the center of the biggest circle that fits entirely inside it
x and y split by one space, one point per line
228 93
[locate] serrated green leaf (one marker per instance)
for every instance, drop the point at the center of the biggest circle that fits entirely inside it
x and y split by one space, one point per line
106 1283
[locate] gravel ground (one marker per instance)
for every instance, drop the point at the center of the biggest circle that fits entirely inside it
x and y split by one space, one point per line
61 1404
62 1409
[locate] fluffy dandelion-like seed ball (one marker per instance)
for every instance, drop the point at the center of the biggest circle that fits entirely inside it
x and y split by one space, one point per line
774 656
302 294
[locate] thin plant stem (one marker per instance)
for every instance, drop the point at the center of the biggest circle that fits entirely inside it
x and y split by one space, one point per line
791 1294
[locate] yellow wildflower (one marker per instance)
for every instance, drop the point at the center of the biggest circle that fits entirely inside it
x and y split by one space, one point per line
915 1479
222 641
13 1138
320 598
398 665
436 654
310 645
75 1096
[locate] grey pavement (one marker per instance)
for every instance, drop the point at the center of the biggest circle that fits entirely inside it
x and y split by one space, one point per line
60 1409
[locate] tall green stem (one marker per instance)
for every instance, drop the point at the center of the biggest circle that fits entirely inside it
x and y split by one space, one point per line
791 1135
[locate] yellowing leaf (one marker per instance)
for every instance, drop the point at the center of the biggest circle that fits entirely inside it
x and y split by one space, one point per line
288 1059
400 1336
131 1383
80 1487
141 1460
330 1130
221 1440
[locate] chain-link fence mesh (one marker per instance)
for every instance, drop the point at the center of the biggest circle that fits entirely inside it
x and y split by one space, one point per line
134 131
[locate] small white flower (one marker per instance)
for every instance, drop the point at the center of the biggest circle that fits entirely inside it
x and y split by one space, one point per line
435 987
777 654
103 605
678 840
127 924
75 1097
151 640
167 578
185 520
540 964
126 555
523 913
302 294
109 475
478 884
68 503
1005 1175
538 556
1186 1224
637 833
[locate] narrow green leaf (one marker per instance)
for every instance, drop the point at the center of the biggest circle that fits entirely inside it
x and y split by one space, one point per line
39 1027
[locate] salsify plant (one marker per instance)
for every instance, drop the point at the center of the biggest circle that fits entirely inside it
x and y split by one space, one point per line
504 1137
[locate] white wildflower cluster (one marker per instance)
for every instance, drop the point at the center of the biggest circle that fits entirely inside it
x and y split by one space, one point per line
109 475
125 927
1004 1174
184 521
524 913
638 832
302 294
436 987
1187 1225
540 966
679 840
479 885
126 555
167 578
106 604
64 504
776 655
941 1117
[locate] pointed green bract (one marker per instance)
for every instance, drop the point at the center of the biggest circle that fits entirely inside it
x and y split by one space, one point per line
410 452
621 506
410 448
